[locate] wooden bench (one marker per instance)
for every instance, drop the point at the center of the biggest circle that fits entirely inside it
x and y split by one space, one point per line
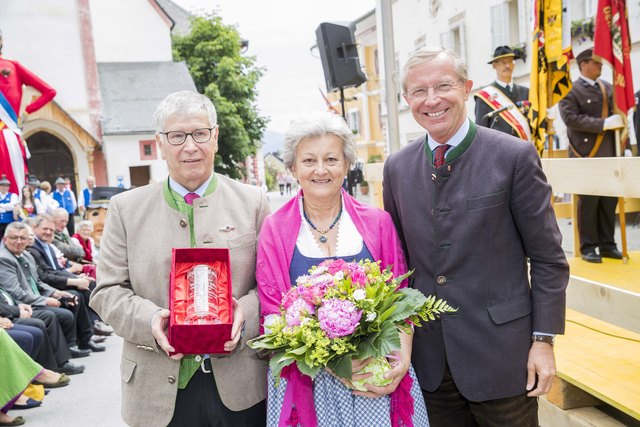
600 359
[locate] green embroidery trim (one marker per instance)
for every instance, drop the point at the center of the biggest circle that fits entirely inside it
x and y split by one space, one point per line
456 151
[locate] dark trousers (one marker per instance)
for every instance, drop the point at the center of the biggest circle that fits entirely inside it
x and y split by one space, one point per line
199 405
84 324
596 223
27 337
71 225
65 319
56 337
45 355
448 408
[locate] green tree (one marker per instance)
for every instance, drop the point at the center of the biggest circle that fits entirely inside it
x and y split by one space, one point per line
213 53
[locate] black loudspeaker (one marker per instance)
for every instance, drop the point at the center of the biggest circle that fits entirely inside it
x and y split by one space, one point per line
339 55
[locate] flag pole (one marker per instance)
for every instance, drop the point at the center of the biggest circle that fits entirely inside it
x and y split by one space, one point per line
550 131
621 211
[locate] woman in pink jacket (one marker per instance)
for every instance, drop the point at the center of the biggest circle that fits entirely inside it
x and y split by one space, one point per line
323 222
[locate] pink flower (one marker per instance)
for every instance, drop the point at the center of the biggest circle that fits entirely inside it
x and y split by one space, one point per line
312 294
289 298
338 318
337 265
298 309
359 277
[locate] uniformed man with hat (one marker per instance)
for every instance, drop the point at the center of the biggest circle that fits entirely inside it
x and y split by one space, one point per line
587 112
7 201
502 104
34 185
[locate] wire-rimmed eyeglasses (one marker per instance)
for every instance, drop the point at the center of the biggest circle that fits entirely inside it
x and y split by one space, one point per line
177 137
440 89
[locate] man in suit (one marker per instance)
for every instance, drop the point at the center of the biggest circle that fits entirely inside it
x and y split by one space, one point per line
194 207
71 250
19 277
590 128
483 212
503 93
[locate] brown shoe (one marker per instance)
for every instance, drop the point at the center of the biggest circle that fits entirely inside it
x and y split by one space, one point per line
17 421
62 381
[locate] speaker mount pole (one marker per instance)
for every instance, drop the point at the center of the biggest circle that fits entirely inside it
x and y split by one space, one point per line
344 113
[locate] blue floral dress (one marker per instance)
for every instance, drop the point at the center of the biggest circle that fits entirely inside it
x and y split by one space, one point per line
335 404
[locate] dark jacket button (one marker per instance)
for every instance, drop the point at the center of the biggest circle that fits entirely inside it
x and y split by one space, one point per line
183 223
441 280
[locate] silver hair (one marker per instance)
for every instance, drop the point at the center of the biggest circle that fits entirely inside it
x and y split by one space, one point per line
43 218
85 223
17 226
59 213
314 127
429 53
184 103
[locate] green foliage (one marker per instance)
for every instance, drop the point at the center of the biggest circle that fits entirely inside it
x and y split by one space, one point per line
225 75
583 29
375 158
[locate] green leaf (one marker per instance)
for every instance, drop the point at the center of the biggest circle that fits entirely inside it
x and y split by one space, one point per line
388 340
341 366
308 370
278 362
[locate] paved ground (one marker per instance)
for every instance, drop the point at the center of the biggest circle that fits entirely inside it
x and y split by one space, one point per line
93 398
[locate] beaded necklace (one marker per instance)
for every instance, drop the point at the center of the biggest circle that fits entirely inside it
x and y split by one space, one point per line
322 238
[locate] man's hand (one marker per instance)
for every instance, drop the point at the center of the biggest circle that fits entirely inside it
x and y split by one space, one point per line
75 268
236 328
543 365
614 121
25 311
52 302
79 282
159 325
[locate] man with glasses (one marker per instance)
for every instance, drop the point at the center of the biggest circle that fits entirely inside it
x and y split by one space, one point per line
502 105
194 207
472 206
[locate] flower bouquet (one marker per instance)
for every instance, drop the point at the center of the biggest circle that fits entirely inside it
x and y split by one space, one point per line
343 311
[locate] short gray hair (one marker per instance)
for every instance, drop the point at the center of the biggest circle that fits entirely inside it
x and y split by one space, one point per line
85 223
15 226
59 213
184 103
314 127
429 53
43 218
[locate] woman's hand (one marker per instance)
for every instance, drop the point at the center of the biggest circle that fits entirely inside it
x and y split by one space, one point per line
356 366
400 363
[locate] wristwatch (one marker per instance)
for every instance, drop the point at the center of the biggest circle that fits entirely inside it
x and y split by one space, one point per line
549 339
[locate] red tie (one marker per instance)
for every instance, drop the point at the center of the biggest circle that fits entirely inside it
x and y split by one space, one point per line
438 155
190 197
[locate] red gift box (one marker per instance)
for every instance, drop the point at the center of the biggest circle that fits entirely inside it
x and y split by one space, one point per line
199 339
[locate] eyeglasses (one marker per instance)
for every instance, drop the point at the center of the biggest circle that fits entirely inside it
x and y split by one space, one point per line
440 89
14 238
176 137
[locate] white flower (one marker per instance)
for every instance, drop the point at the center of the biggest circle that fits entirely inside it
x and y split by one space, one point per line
371 315
270 321
339 275
359 294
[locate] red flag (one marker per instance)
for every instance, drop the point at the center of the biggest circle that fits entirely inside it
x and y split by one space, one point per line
612 45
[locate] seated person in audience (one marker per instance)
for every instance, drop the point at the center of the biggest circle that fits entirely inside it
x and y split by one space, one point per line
19 277
39 246
83 238
54 353
62 240
17 371
28 206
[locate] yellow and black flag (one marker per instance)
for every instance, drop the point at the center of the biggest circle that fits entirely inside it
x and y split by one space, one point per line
550 56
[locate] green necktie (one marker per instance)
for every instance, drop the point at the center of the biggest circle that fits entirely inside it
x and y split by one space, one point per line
32 281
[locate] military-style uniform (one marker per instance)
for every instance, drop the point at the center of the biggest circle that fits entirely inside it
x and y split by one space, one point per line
581 111
517 93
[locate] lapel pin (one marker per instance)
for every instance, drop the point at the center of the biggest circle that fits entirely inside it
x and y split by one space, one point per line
227 228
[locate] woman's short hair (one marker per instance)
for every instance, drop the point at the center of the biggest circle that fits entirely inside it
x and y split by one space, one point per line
429 53
184 103
316 126
45 186
85 223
